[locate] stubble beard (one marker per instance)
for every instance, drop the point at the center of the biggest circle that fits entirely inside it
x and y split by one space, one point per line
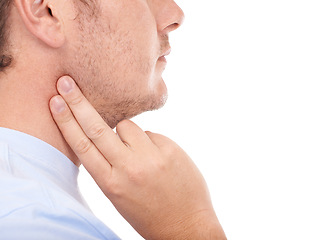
113 99
127 109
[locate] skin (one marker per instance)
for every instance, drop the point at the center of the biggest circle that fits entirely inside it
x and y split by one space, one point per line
127 37
114 58
150 180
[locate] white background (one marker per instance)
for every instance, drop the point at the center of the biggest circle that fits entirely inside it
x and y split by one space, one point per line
245 101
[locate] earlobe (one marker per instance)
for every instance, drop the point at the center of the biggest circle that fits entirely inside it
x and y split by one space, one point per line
42 19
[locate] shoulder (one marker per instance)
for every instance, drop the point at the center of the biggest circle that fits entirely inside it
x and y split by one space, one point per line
34 222
32 211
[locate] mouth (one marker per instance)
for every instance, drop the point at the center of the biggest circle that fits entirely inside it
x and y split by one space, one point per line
166 53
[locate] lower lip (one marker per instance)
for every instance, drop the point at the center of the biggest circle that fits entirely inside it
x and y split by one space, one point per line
162 59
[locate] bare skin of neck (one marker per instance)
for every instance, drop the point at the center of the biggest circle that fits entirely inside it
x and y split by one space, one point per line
28 84
24 98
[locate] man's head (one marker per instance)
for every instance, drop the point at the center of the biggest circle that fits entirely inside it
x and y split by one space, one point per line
112 48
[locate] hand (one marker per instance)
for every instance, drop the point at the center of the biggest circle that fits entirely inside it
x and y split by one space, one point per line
150 180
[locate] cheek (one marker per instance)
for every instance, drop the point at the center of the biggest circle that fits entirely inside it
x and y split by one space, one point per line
133 62
126 44
118 58
137 46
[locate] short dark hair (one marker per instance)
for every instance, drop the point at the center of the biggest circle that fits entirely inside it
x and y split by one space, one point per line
5 59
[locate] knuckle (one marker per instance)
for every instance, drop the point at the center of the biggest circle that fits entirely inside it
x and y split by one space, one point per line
65 117
136 175
75 100
83 146
96 131
161 166
123 124
170 150
113 189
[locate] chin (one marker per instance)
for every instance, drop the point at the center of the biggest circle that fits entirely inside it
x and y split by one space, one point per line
162 101
161 94
116 106
155 102
129 109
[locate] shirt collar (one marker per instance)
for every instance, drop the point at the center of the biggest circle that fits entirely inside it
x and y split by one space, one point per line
42 154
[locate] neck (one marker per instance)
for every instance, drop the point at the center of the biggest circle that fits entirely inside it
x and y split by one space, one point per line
24 98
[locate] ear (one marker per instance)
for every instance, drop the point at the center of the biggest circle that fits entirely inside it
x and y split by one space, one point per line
42 19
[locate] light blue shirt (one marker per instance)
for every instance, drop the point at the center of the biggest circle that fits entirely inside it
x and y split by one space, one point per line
39 194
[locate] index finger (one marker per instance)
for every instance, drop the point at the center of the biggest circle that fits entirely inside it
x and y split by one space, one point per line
96 129
88 154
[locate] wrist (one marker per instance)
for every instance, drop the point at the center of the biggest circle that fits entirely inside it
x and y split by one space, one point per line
201 226
206 227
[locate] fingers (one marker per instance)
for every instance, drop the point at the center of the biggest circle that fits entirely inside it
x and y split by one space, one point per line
158 139
90 121
132 134
85 150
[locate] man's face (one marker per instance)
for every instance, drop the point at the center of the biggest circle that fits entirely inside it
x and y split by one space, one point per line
115 55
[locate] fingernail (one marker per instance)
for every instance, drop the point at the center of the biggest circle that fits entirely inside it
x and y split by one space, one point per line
58 104
65 84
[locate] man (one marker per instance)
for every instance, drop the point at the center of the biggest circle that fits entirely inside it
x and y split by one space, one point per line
115 52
